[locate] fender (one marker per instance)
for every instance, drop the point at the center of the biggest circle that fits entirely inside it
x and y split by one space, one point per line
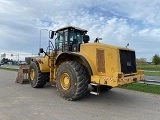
76 55
43 63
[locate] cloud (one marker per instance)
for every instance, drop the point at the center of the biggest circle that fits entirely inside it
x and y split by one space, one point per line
117 22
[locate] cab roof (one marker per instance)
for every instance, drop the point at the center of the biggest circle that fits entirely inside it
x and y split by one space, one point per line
71 27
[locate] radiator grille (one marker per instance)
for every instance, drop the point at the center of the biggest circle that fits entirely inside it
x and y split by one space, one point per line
128 61
100 61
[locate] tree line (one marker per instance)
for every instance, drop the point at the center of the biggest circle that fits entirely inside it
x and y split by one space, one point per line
155 60
6 61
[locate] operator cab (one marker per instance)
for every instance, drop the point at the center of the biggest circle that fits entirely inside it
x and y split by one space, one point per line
69 39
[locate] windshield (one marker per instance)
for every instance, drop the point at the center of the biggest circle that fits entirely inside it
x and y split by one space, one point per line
67 38
75 37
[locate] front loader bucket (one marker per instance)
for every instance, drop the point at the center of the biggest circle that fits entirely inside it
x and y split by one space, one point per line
22 76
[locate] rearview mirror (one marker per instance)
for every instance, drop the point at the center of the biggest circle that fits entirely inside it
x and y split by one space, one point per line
41 50
51 34
85 38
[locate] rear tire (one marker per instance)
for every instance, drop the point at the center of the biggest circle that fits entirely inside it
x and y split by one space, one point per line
72 80
37 79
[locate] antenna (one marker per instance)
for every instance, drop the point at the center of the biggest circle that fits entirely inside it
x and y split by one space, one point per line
97 39
127 45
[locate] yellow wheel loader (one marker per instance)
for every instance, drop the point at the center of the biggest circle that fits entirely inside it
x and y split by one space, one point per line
73 63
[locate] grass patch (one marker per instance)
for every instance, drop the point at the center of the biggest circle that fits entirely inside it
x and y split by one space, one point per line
10 69
152 73
148 67
155 89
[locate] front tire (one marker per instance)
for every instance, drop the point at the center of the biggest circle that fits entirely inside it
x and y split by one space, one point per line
72 80
37 79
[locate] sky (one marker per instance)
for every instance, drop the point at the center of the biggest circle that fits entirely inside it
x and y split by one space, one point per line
117 22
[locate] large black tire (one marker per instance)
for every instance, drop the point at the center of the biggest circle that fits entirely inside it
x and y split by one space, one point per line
37 79
76 78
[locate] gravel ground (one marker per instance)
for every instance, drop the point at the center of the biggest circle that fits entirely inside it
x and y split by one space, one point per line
21 102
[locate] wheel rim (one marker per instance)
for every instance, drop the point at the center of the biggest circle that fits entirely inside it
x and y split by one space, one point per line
32 74
65 81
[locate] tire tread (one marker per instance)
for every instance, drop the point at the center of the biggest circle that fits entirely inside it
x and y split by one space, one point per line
82 80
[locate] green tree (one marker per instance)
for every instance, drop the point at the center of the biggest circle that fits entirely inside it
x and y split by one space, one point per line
156 59
4 60
141 60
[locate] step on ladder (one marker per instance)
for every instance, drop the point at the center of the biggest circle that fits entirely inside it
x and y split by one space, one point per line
97 90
